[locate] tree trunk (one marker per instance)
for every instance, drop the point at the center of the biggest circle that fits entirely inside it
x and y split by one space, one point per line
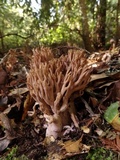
85 27
101 25
118 23
2 41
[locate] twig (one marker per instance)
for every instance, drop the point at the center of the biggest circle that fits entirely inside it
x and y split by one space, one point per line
88 108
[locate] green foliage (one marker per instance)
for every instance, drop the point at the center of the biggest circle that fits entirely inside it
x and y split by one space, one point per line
12 155
111 112
100 154
51 22
15 26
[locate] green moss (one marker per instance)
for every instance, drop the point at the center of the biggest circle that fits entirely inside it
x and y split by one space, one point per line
12 155
100 154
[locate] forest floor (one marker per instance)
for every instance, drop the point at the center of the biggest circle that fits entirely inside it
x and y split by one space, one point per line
22 125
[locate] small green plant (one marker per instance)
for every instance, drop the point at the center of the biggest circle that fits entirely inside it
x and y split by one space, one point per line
100 154
12 155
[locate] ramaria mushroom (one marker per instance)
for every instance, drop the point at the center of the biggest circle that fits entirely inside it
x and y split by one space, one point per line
52 81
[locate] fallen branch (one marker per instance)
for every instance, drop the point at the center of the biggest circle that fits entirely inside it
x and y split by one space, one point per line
15 34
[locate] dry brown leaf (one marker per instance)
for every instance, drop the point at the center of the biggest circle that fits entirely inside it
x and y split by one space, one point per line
28 104
5 122
4 142
18 91
3 76
98 76
118 140
58 150
116 90
112 143
11 60
73 146
3 103
116 122
100 132
93 101
85 129
9 133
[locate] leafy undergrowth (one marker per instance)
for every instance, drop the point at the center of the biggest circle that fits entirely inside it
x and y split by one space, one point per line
22 125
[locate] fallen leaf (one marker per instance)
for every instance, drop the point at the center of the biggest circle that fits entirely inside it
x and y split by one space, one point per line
116 122
111 144
93 101
99 132
73 146
4 142
98 76
85 129
3 103
5 121
28 104
9 133
116 91
3 76
18 91
111 115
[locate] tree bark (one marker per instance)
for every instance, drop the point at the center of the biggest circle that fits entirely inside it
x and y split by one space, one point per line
2 41
85 27
118 23
101 24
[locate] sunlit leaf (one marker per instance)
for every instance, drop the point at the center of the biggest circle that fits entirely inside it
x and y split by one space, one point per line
112 115
111 112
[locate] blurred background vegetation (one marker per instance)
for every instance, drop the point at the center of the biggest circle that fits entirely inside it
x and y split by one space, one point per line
90 24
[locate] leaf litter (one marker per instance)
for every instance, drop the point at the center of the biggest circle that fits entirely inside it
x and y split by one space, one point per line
22 123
